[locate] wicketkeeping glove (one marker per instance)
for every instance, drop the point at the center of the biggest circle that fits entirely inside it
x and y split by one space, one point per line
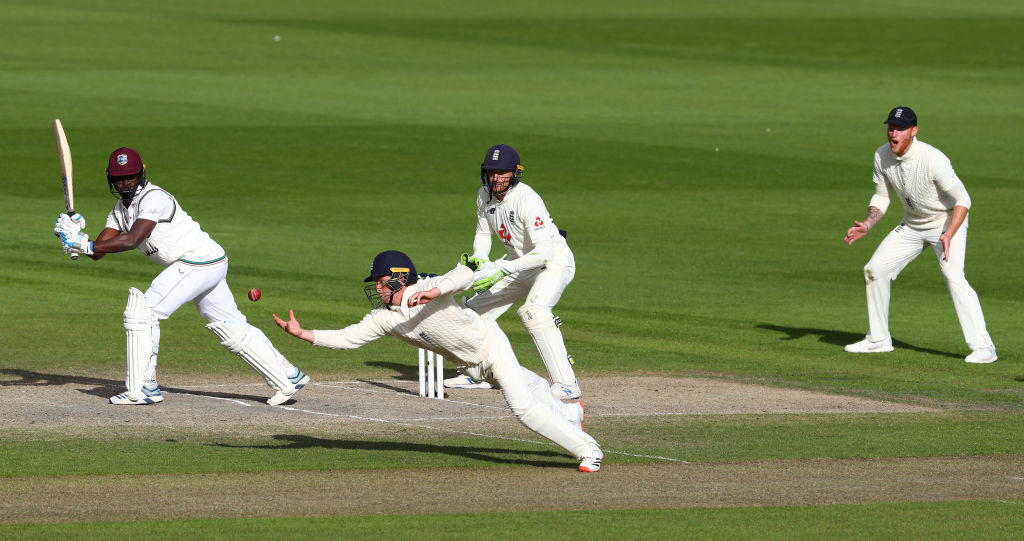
472 262
76 242
491 273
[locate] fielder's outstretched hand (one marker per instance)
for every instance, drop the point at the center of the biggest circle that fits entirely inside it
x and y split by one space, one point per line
293 328
858 230
423 297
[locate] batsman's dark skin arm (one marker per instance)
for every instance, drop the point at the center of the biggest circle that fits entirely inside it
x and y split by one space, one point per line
111 240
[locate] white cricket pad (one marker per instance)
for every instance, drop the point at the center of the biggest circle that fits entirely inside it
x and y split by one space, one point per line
540 323
256 352
138 322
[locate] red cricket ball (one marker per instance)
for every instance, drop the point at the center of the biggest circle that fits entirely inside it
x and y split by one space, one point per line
254 294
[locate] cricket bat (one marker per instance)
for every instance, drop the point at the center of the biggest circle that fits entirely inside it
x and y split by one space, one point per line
66 173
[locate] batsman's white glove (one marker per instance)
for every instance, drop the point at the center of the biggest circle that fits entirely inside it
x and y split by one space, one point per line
75 242
491 273
75 223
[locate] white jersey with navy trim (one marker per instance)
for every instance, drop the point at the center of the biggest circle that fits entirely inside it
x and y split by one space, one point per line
923 179
176 235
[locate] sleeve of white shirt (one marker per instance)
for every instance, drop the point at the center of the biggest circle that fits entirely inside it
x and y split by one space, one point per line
947 181
880 199
455 280
482 238
351 337
156 206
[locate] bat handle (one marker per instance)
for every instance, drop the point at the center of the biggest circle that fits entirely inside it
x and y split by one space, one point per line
74 256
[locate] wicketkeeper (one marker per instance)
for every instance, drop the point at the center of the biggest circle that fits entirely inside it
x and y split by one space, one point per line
538 265
421 310
195 269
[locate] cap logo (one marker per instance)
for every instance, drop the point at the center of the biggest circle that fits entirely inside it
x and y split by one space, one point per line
122 159
494 156
899 113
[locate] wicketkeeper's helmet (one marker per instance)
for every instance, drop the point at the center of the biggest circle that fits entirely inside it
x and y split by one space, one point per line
125 162
502 158
391 263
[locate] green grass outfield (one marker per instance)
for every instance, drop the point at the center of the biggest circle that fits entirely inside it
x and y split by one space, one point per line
706 159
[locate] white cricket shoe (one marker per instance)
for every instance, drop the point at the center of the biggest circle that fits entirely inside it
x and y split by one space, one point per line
867 346
150 395
463 381
300 380
592 463
566 392
983 355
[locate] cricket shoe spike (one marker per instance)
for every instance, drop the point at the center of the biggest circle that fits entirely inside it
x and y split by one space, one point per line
592 463
566 392
867 346
463 381
150 395
300 380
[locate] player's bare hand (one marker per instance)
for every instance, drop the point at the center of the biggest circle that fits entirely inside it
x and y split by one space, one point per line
858 231
944 239
291 326
423 297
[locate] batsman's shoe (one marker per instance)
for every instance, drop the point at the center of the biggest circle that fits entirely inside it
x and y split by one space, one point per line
867 346
150 395
983 355
592 463
463 381
300 379
566 392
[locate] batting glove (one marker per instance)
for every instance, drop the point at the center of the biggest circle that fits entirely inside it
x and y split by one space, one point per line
473 263
75 242
75 222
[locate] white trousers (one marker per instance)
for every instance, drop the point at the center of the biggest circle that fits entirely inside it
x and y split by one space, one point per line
206 287
531 400
901 246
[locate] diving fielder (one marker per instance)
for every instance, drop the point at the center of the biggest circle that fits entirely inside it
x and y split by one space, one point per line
935 205
195 269
539 264
421 311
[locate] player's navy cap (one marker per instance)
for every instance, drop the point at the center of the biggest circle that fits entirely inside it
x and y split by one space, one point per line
501 157
903 117
124 162
389 262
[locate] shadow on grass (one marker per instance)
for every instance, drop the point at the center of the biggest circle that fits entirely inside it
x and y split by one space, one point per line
406 371
498 455
840 338
105 388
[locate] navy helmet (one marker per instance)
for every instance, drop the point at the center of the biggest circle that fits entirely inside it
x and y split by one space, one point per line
391 263
501 158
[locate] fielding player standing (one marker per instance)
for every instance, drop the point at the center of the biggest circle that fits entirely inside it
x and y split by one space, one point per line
935 205
150 219
421 310
539 265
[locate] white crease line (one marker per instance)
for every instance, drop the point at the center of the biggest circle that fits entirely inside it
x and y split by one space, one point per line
212 397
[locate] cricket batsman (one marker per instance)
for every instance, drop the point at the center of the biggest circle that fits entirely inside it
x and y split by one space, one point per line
148 218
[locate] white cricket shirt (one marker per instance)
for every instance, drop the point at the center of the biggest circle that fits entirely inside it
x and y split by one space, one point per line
525 227
923 179
176 235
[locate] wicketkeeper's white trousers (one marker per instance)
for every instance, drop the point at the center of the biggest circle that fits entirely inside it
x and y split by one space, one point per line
901 246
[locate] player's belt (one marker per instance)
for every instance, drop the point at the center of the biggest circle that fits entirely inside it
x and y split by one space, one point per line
204 263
